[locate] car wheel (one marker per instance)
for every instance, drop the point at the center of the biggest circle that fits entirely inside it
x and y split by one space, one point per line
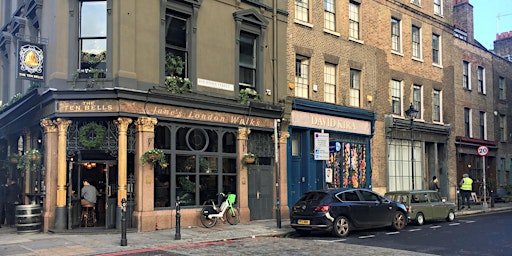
399 221
302 232
451 216
420 219
341 227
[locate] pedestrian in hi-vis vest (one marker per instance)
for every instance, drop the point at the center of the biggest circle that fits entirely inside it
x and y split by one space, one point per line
466 186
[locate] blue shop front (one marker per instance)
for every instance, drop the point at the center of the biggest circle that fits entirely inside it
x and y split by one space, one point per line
342 154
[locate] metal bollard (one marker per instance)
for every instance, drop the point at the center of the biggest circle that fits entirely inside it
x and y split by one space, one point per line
178 219
124 242
492 199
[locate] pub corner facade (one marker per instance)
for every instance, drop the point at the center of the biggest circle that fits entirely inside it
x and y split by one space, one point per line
204 89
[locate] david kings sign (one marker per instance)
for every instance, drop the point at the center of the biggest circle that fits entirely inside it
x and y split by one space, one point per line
31 61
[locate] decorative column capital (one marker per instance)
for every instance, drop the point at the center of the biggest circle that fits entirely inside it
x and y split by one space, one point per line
243 133
63 124
284 137
48 125
122 123
145 124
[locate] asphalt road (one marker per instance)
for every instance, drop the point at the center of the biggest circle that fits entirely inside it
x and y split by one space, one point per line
488 234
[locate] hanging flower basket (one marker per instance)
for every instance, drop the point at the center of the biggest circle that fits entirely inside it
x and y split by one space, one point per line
154 156
31 160
14 158
249 158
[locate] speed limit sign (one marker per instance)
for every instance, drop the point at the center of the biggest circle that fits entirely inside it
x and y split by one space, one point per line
482 151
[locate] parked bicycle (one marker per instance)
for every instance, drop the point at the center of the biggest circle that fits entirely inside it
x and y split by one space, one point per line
210 212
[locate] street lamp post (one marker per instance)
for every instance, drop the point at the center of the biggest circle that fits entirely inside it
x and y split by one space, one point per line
411 113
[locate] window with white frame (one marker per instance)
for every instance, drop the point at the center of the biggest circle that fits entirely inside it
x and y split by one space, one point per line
396 97
466 75
481 80
417 100
483 125
501 87
355 87
436 49
92 38
416 2
353 16
399 163
437 106
503 134
438 7
396 41
330 83
302 76
416 42
329 15
302 10
467 122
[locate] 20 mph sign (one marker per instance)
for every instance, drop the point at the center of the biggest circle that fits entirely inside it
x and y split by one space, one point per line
482 151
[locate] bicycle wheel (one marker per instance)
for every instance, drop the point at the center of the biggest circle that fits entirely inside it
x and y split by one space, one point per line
233 215
207 222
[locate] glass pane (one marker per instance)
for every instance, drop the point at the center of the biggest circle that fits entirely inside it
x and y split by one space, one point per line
186 189
176 31
209 188
93 19
247 49
229 165
162 137
229 143
208 165
93 53
229 185
185 163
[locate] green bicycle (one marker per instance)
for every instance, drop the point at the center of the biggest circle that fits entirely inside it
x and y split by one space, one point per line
210 213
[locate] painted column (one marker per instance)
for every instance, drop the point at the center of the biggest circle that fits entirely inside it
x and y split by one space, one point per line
50 179
143 215
28 176
61 211
243 201
122 166
283 175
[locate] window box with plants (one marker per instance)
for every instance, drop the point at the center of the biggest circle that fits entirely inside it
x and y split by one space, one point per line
153 157
175 82
247 95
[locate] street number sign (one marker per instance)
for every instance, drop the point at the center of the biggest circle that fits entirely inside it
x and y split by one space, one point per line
482 150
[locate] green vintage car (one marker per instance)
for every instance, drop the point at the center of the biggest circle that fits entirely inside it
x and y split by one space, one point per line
424 205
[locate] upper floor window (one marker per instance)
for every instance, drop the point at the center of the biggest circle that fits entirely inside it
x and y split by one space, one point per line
247 72
416 2
355 87
92 39
353 17
416 42
417 100
501 88
481 80
330 15
438 7
483 125
176 40
396 97
467 122
466 76
301 76
436 49
437 106
503 133
302 10
330 83
396 44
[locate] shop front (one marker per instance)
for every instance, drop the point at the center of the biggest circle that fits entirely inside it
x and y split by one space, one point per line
102 139
346 160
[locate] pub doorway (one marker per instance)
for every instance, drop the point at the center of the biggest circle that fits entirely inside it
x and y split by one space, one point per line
103 175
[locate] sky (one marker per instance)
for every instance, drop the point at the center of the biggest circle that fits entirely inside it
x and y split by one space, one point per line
486 22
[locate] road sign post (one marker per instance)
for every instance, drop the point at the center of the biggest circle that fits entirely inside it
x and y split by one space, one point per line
483 151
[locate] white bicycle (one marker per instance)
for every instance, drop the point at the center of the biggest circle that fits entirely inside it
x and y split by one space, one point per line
210 213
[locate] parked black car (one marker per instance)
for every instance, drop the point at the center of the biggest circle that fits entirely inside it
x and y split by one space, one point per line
344 209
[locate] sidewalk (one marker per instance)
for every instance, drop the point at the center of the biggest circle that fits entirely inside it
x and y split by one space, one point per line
13 243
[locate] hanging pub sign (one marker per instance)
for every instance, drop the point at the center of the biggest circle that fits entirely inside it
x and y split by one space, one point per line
31 61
